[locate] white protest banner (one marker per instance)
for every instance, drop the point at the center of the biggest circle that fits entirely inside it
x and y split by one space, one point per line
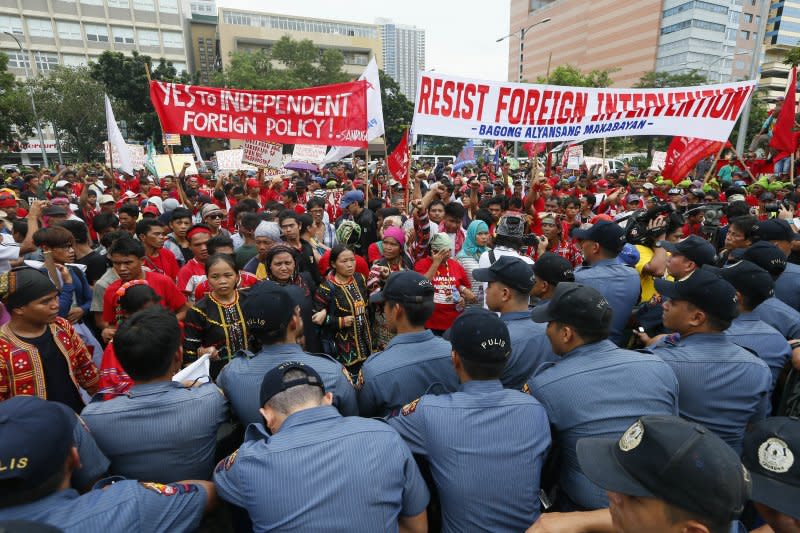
309 153
659 161
164 167
574 162
229 159
451 106
573 156
263 154
135 152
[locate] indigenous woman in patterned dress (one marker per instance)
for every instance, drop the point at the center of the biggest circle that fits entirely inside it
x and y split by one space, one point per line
393 259
342 305
215 325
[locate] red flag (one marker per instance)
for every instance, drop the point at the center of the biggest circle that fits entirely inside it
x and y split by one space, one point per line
399 161
534 148
684 153
784 139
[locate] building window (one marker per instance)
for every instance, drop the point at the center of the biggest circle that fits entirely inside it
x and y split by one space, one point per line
73 61
730 34
168 6
119 3
144 5
172 39
748 18
92 2
69 30
122 35
96 33
46 61
11 24
179 67
40 28
17 59
672 28
745 34
148 38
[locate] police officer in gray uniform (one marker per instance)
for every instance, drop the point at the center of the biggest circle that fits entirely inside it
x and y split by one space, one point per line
415 359
273 317
310 469
485 444
160 430
510 281
595 389
722 386
38 455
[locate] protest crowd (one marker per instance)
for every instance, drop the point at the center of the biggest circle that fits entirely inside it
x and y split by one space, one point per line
486 349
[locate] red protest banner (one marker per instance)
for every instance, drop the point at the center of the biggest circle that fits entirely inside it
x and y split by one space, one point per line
683 153
398 161
329 114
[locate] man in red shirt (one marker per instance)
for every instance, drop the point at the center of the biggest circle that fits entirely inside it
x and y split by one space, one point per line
152 234
127 256
194 271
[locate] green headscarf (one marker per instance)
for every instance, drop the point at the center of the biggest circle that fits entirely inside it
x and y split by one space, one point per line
470 248
440 241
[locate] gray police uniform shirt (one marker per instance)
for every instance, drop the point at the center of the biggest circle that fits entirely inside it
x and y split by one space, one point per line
748 331
530 348
94 464
722 386
486 446
619 284
323 472
405 370
780 316
161 431
599 390
123 506
787 286
242 376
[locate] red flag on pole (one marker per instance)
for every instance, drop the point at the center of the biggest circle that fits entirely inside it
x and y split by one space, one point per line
399 162
784 138
534 148
683 153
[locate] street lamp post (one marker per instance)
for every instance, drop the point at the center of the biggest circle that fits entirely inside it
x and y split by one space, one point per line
33 102
717 60
744 121
522 32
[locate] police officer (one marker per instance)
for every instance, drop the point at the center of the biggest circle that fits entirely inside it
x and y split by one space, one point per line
771 453
550 270
510 281
160 430
485 444
310 469
415 359
773 311
778 232
273 317
754 285
688 255
618 284
722 386
596 388
38 455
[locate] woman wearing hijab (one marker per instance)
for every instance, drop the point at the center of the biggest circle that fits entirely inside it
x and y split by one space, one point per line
393 259
474 245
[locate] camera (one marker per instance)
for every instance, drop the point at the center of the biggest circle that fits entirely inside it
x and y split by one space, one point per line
774 207
636 231
530 239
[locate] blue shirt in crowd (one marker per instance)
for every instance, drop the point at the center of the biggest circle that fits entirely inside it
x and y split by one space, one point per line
780 316
619 284
763 340
787 286
530 347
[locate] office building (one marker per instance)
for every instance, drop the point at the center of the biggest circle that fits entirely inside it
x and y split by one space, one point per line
204 58
782 34
250 31
403 54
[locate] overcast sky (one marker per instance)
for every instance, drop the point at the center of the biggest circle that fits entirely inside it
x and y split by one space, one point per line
460 34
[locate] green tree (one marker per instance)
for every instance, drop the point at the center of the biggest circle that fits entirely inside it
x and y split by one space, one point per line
793 57
14 107
397 110
571 76
287 64
70 100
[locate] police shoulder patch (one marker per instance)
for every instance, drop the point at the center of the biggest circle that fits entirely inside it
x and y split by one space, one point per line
227 463
348 376
169 490
409 408
360 381
526 389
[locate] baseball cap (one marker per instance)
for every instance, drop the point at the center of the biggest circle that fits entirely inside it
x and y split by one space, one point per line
268 308
774 229
511 226
549 218
54 211
748 278
553 269
273 382
508 270
766 255
151 210
405 287
28 457
671 459
607 234
350 197
480 336
602 183
210 209
648 185
106 199
674 191
693 248
577 305
7 199
771 452
703 289
252 184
